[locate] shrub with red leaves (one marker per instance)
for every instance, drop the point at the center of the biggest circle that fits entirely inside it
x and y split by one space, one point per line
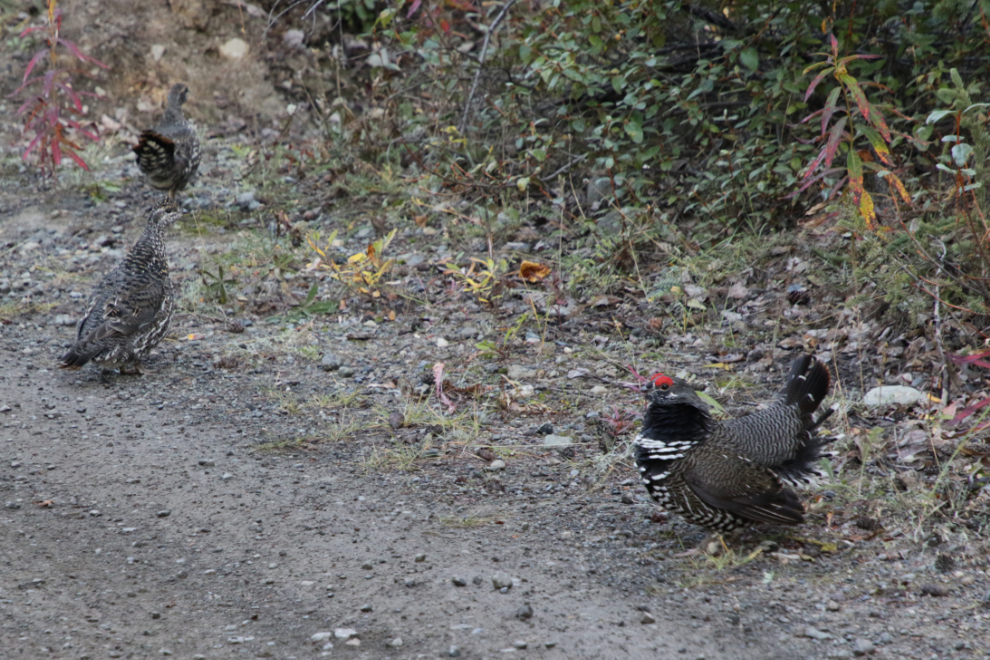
55 113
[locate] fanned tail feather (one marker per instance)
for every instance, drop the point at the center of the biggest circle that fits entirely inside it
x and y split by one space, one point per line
807 384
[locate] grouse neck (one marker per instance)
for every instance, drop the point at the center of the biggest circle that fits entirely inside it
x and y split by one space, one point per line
676 421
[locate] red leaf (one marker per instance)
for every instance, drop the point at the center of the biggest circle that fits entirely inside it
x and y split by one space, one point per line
412 9
445 26
815 163
74 49
817 79
34 60
838 131
56 152
79 161
829 108
76 101
30 147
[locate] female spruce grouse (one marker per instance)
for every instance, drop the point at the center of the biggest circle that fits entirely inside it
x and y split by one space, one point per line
728 474
168 154
132 306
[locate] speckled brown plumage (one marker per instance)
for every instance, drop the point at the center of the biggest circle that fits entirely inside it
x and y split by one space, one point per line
132 306
726 474
169 153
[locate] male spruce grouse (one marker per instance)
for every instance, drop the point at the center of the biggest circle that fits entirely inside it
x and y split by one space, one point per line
168 154
728 474
132 307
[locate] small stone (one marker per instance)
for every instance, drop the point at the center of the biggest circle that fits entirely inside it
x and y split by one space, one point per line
648 618
234 49
454 651
345 372
344 633
12 505
420 558
245 199
832 606
157 51
442 343
410 582
815 633
165 513
517 372
396 420
477 580
550 644
519 644
501 580
227 476
321 636
557 441
863 646
367 608
496 465
458 581
156 615
367 566
293 38
205 462
892 394
525 612
330 362
353 642
395 643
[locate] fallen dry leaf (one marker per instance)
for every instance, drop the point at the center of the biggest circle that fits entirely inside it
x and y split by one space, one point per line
533 272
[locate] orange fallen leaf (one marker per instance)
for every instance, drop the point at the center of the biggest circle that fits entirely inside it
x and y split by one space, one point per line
533 272
46 503
194 337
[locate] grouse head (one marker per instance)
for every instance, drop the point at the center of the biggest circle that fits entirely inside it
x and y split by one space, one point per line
164 212
673 408
662 390
177 95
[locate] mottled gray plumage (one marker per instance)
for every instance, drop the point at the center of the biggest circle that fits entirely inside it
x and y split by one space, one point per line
169 153
727 474
131 308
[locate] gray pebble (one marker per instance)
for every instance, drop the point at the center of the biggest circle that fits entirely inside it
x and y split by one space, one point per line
345 372
886 638
165 513
329 362
477 580
420 558
501 580
863 646
525 612
815 633
832 606
648 618
367 608
410 582
454 652
458 581
12 505
519 644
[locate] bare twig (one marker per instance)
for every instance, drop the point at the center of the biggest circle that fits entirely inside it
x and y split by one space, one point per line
937 318
481 63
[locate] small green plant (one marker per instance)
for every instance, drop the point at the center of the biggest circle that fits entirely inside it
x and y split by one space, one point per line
216 284
363 271
485 283
311 306
54 113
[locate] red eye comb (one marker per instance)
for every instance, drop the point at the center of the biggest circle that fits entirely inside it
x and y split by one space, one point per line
659 380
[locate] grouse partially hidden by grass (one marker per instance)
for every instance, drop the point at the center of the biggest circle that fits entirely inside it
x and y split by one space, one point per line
728 474
132 307
169 153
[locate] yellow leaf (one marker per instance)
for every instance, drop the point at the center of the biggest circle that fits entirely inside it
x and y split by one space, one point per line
533 272
355 258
